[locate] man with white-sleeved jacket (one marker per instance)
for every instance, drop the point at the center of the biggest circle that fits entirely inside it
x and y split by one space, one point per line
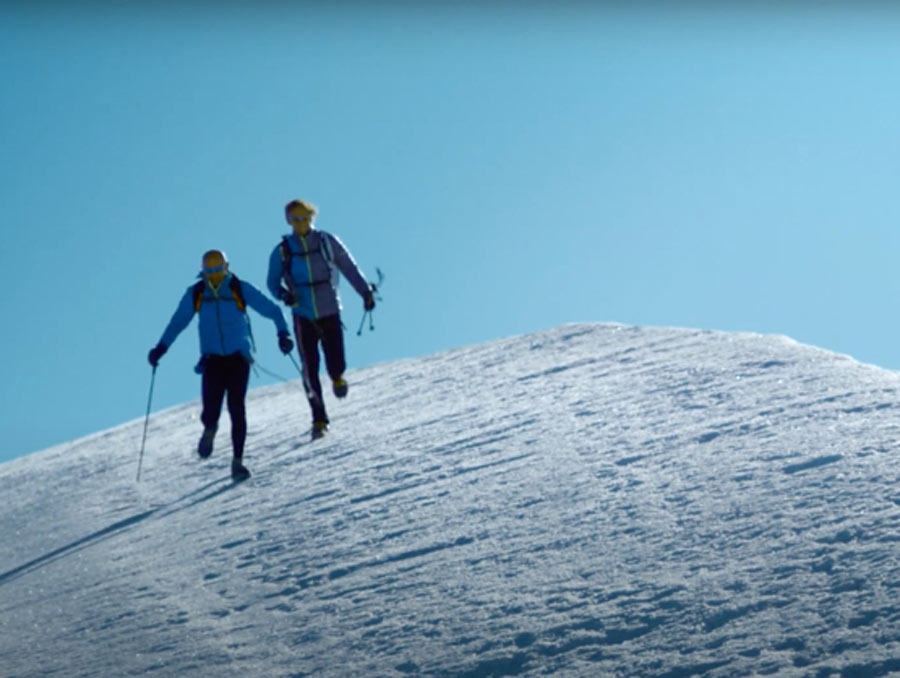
304 273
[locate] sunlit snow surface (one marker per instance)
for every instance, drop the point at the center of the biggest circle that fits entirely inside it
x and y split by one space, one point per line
594 500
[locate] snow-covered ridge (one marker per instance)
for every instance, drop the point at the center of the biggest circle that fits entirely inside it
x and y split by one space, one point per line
593 500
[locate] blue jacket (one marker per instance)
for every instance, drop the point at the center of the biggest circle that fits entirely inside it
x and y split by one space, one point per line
314 264
224 328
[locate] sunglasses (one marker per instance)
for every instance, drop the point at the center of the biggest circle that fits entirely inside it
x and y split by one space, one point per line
297 219
212 270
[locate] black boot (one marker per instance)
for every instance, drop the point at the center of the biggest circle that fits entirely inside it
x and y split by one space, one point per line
205 446
239 472
340 387
319 429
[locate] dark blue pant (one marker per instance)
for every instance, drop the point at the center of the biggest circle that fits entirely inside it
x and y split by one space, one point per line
226 374
310 333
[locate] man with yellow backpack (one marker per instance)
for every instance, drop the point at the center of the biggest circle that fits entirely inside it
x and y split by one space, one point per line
220 301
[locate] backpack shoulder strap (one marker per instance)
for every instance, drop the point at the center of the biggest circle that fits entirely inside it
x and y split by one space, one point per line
198 294
327 252
286 254
238 292
285 247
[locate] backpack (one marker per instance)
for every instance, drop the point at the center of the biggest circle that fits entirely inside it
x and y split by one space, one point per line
324 249
234 285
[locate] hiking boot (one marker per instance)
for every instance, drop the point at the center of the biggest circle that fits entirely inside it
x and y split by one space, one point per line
205 446
319 429
340 387
238 470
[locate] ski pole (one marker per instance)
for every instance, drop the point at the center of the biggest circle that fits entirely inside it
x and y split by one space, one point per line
374 287
307 386
363 322
146 421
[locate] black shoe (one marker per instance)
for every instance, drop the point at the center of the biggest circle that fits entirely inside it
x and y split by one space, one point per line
205 446
319 429
238 471
340 386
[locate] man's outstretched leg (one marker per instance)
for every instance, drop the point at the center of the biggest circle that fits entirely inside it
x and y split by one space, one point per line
238 377
333 348
213 389
308 344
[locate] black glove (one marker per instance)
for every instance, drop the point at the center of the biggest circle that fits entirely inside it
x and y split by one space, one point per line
156 353
285 343
288 297
369 299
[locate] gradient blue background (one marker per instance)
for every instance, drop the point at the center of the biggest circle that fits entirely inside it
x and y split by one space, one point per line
510 167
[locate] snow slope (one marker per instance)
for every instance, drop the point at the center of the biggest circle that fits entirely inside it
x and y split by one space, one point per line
594 500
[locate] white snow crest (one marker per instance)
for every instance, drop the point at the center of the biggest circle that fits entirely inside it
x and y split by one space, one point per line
593 500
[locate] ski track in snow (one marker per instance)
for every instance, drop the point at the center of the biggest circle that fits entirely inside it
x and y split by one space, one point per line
594 500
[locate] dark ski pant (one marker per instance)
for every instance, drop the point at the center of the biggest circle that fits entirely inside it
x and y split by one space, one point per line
310 333
226 374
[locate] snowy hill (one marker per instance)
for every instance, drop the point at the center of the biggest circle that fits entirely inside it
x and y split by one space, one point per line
594 500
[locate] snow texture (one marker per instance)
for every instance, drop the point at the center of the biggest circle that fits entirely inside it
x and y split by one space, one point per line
593 500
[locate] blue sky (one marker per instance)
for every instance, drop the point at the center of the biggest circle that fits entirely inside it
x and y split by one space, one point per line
509 167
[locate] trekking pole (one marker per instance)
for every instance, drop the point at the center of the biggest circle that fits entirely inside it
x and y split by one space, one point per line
363 322
374 287
307 386
146 421
299 370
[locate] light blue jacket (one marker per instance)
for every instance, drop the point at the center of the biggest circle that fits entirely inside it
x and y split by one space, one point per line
314 264
224 328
